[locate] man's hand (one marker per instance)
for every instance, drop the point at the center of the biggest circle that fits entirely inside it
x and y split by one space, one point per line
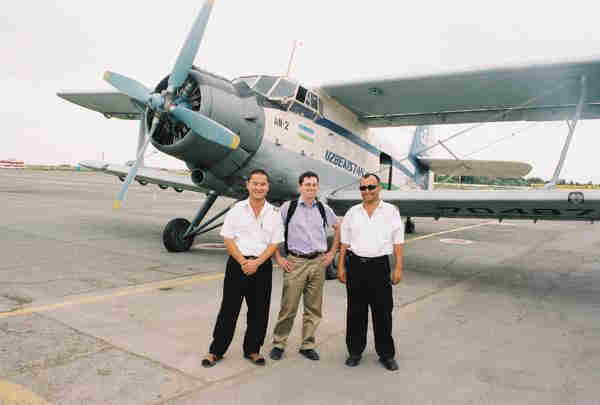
341 275
397 275
327 258
285 264
250 267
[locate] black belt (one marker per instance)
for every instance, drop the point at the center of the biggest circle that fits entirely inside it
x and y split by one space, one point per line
366 259
251 257
305 255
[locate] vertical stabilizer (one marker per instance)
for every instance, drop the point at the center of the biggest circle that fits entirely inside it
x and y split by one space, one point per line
423 138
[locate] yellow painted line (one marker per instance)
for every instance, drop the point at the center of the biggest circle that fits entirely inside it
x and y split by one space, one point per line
431 235
13 394
120 293
170 284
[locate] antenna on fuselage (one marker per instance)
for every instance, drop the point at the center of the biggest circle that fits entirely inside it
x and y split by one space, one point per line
296 44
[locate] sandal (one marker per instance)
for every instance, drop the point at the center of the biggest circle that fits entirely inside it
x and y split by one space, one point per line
210 360
256 359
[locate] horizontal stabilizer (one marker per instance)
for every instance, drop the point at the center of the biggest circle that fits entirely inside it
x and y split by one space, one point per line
146 174
583 205
109 103
489 168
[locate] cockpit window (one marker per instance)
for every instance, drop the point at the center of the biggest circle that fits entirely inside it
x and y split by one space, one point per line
284 88
250 80
301 96
312 101
264 84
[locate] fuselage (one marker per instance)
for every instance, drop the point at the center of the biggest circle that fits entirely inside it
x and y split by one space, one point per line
285 129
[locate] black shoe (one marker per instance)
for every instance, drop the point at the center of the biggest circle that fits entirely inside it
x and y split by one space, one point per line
309 354
276 353
353 361
389 363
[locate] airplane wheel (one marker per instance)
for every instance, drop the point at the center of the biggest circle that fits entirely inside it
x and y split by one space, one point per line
179 190
142 182
122 178
409 226
173 235
163 187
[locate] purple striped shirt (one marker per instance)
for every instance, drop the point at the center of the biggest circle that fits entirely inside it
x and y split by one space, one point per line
305 230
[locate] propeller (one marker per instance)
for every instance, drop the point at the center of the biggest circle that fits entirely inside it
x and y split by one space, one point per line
168 102
190 47
138 160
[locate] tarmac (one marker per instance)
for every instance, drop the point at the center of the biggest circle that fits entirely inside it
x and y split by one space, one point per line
94 310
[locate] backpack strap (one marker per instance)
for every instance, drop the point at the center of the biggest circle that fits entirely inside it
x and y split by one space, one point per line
323 215
288 217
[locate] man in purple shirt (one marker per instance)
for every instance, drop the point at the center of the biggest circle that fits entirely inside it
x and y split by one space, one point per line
305 264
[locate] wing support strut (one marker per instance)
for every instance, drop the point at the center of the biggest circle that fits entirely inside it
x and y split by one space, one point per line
571 124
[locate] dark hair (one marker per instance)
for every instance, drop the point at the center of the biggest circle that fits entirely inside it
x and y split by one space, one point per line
258 171
367 175
307 174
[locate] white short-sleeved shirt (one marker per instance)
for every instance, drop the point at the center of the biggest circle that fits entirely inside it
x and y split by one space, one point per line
374 236
253 235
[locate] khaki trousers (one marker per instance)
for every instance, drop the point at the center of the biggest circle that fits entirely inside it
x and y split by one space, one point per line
307 279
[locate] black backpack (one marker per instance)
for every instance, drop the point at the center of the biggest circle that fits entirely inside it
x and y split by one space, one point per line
292 209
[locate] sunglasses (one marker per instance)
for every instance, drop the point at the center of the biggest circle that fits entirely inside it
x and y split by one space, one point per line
370 187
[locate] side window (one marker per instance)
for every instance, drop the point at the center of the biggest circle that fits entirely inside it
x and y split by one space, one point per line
301 95
312 101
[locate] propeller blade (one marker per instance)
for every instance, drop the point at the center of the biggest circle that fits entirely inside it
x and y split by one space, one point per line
190 47
207 128
134 169
132 88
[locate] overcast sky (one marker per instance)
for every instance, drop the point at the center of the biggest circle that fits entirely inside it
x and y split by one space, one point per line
49 46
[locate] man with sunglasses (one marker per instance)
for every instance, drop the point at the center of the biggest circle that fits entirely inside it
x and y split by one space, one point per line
306 222
369 233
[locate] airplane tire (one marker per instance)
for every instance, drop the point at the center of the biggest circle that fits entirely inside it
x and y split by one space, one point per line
173 235
142 182
163 187
409 226
179 190
122 178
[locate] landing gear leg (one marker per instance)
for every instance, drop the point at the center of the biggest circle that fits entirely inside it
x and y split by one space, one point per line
179 233
409 226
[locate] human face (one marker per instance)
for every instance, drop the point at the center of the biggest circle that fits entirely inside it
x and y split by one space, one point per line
309 188
370 196
258 186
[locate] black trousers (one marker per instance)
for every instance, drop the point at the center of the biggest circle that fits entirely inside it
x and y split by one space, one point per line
256 289
368 284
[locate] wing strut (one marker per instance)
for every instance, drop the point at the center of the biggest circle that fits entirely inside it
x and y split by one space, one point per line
571 124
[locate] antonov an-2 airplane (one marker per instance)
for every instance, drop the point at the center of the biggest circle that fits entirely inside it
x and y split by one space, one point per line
223 129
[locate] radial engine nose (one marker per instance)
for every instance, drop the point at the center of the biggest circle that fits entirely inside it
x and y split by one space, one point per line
228 133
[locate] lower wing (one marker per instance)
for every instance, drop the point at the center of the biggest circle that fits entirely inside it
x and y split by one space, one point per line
532 204
145 174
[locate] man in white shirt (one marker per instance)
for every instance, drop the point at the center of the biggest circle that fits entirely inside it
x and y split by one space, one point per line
370 232
252 231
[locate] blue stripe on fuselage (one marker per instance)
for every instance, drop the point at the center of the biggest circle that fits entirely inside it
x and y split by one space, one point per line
357 140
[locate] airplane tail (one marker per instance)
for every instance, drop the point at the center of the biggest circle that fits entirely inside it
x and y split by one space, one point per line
423 138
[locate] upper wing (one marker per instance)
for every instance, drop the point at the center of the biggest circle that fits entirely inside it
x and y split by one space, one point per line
490 168
109 103
476 95
536 204
149 175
